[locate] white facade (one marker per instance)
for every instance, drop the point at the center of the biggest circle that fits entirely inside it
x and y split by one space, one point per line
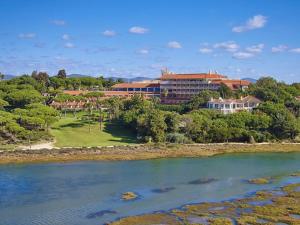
227 106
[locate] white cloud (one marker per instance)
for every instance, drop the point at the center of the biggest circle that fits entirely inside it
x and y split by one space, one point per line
255 48
242 55
205 50
256 22
143 51
27 35
59 22
295 50
69 45
138 30
174 44
109 33
66 37
279 48
229 46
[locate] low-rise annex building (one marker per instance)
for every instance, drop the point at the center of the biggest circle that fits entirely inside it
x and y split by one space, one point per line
227 106
148 89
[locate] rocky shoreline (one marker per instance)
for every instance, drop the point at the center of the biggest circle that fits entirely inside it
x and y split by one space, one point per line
139 152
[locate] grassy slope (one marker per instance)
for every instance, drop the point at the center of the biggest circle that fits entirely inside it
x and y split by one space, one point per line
72 132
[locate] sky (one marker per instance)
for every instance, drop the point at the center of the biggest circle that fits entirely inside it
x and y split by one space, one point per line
132 38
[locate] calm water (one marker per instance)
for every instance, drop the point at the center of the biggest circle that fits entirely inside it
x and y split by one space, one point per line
77 193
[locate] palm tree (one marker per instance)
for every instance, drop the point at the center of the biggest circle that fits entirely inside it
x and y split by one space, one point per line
99 105
89 106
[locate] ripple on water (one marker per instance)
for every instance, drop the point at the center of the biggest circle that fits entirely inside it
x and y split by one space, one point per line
100 213
295 216
260 203
163 190
198 220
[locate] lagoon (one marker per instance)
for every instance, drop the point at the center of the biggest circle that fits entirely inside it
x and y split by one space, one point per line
90 192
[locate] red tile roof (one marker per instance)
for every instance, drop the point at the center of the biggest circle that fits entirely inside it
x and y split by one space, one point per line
70 92
232 84
136 85
192 76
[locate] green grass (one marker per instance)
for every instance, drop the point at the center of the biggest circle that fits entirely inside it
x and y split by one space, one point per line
74 132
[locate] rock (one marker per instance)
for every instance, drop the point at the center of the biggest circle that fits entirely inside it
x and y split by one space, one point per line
129 196
259 181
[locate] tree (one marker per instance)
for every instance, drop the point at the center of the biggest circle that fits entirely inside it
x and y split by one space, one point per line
89 107
196 126
114 106
172 121
47 114
200 100
284 124
1 76
95 98
43 80
22 97
57 82
225 91
152 124
3 104
62 74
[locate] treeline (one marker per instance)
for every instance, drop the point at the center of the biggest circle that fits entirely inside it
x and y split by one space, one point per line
24 111
25 114
277 118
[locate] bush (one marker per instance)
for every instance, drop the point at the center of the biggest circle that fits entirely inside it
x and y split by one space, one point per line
177 138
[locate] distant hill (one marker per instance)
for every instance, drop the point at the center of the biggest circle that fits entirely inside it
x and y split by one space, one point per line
134 79
74 75
250 80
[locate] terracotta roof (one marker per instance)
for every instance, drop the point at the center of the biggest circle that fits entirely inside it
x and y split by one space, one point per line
136 85
70 92
246 99
192 76
232 84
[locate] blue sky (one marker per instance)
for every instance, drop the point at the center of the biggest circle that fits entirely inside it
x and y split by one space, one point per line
137 38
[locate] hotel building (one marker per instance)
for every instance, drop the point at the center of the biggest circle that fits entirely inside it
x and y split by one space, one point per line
180 88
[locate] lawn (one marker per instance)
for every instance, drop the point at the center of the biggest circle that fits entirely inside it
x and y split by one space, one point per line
74 132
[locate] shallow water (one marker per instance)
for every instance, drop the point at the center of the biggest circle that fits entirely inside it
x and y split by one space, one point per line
89 192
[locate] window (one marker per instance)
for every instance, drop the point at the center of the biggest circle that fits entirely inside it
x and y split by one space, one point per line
227 106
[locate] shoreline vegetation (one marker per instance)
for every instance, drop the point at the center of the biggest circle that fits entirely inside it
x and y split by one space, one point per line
138 152
278 206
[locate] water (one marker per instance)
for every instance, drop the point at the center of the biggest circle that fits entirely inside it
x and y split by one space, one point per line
89 192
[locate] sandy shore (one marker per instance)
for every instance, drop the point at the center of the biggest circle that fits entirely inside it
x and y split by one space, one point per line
139 152
46 145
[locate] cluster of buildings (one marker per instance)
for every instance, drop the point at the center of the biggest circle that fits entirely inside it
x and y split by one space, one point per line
174 88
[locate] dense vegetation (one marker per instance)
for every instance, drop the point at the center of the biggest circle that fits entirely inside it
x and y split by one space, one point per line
25 114
24 111
277 118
